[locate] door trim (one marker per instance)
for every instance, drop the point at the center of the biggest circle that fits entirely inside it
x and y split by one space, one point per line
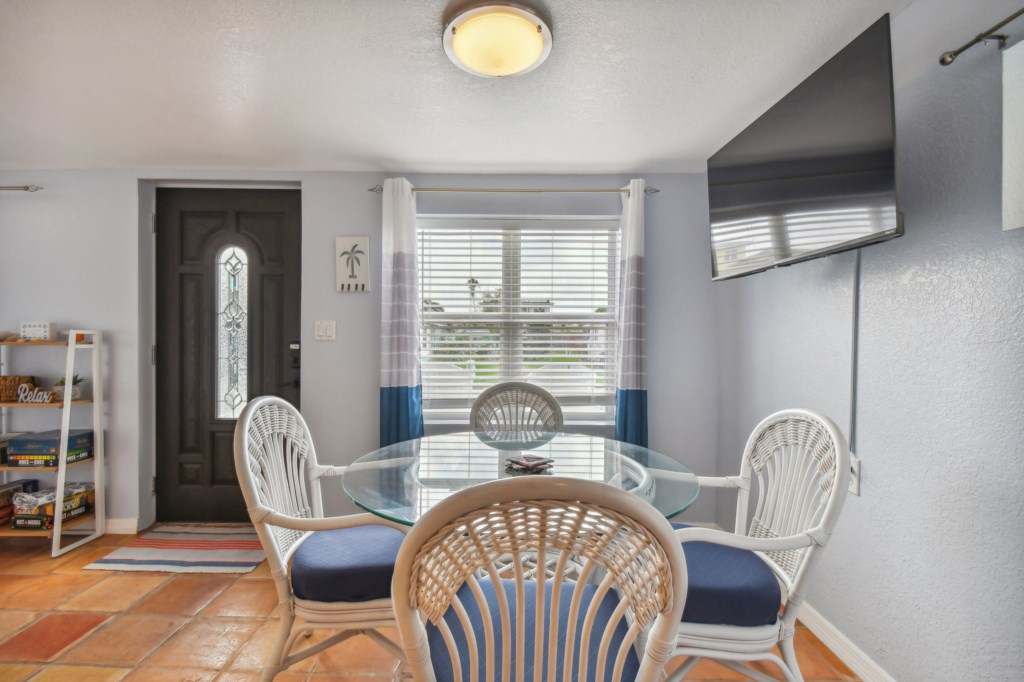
147 325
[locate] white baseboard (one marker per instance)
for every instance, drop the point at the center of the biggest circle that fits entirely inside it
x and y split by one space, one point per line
122 526
849 653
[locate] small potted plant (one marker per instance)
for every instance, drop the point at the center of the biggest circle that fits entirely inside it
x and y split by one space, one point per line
76 387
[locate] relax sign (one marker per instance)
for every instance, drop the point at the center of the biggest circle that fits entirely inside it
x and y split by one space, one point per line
27 393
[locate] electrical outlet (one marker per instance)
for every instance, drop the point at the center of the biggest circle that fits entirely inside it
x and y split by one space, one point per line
854 474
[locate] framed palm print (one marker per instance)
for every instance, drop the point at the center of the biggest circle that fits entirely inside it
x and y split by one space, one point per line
352 263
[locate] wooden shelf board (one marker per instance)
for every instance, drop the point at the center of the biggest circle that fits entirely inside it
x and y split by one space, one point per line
59 404
33 343
8 532
88 460
80 344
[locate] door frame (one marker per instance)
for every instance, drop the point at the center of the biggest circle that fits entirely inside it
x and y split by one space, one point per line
147 332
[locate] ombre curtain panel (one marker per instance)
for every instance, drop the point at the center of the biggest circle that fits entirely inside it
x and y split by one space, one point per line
401 384
631 351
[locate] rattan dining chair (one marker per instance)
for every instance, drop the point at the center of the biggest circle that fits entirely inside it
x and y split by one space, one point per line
515 407
332 573
797 466
617 621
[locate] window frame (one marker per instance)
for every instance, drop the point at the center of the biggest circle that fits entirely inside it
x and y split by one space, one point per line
455 411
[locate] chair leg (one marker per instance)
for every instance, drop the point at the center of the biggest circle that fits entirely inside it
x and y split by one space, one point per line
278 652
789 656
679 673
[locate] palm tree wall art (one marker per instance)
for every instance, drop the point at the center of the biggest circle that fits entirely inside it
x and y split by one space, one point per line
352 263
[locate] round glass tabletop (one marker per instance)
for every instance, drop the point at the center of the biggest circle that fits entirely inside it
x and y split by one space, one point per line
402 481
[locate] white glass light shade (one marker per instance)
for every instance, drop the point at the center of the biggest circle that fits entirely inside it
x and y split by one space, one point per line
497 40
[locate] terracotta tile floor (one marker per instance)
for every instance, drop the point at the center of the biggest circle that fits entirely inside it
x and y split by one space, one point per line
58 622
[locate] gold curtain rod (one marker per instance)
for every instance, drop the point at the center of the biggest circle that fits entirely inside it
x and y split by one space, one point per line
379 189
21 188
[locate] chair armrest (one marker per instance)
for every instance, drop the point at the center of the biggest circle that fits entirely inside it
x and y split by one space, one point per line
722 482
721 537
326 470
273 518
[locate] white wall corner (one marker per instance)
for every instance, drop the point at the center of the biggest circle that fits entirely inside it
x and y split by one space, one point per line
122 526
849 653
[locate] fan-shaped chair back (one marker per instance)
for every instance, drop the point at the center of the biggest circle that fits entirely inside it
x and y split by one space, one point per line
275 461
327 570
460 620
797 467
516 407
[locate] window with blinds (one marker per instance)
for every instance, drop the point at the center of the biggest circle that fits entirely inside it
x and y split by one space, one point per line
512 298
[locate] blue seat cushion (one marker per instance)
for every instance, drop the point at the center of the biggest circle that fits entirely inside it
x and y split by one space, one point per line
728 586
346 565
442 661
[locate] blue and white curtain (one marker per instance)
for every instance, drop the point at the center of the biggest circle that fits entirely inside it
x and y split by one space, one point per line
631 356
401 385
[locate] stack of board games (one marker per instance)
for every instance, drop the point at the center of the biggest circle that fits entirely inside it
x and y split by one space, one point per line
9 490
527 464
42 449
5 439
36 511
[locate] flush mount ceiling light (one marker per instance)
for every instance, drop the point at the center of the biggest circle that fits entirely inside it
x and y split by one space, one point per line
497 40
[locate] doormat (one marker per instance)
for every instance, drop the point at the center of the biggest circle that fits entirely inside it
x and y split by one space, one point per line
187 549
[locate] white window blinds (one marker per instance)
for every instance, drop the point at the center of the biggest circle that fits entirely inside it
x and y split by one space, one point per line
510 298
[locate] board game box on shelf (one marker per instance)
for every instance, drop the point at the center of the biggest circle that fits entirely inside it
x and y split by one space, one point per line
8 491
37 510
48 442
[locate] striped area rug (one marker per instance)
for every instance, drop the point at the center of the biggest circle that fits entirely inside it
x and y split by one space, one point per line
187 549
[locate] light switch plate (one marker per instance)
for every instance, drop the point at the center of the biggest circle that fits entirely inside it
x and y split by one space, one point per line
325 330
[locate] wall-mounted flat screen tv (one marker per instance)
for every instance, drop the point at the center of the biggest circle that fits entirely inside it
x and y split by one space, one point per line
815 174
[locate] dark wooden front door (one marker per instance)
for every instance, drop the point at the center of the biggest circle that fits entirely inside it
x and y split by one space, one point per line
228 278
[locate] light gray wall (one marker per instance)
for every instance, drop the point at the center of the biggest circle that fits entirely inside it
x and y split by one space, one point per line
69 255
784 339
924 572
95 227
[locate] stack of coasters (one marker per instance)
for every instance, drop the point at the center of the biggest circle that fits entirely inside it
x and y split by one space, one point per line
527 464
43 449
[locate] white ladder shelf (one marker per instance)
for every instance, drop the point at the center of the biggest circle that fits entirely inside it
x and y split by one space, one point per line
92 525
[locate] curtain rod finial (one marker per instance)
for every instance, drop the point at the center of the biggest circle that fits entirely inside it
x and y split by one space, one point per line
376 189
22 188
648 191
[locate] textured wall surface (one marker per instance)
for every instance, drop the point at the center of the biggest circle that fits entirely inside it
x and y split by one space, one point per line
784 339
924 572
70 257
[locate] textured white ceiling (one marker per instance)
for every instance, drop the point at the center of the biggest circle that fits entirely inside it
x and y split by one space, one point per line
653 85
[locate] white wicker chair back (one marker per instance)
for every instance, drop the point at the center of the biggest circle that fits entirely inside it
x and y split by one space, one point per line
274 463
516 407
614 540
797 464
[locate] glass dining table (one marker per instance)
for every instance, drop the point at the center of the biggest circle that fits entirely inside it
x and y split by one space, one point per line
401 482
